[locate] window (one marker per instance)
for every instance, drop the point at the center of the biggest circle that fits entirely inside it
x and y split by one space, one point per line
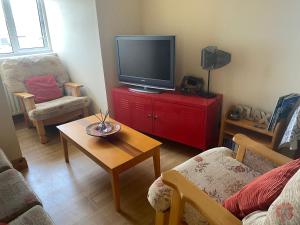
23 27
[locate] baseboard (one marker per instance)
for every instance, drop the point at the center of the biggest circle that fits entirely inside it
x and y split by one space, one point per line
20 164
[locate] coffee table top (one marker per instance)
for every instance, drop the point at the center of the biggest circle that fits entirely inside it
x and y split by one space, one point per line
113 152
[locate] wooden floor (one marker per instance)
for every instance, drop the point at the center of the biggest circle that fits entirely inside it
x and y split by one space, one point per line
80 193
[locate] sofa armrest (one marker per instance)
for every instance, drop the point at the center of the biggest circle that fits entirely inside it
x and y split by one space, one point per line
27 100
185 191
74 88
246 143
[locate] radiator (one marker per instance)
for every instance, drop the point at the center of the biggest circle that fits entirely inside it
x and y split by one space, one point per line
13 103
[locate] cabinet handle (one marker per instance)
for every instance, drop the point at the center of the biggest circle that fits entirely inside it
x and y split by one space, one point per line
155 117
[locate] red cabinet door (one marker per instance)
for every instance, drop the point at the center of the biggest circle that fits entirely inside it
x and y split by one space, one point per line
179 123
121 104
141 114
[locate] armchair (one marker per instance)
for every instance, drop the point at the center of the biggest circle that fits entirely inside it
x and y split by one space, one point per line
192 192
70 106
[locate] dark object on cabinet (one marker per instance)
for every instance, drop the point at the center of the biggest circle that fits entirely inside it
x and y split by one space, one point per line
190 120
235 113
192 85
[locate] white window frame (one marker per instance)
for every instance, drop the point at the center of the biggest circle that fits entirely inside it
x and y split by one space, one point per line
16 50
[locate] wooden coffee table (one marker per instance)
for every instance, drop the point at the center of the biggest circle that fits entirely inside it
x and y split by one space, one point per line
114 154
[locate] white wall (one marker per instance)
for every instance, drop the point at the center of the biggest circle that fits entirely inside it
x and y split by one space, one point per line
8 139
77 27
116 17
263 37
73 27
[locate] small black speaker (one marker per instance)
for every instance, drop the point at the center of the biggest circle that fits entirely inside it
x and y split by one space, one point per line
213 58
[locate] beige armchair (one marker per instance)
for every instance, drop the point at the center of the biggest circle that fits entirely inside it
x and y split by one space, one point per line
192 193
70 106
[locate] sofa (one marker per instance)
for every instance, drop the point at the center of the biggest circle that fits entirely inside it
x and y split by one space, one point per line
19 205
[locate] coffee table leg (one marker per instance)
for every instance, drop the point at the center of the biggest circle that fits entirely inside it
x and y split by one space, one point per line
156 163
65 147
116 189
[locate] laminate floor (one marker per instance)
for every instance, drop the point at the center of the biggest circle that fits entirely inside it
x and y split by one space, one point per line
80 193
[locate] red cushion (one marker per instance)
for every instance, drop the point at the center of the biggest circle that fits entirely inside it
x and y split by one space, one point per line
262 191
44 88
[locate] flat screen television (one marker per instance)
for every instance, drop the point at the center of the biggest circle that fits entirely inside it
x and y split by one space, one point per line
147 62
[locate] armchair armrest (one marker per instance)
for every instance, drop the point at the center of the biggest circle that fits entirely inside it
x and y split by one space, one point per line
24 95
74 87
185 191
27 100
246 143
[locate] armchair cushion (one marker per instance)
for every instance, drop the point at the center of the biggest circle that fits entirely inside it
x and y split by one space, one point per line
260 193
44 88
58 107
15 71
215 171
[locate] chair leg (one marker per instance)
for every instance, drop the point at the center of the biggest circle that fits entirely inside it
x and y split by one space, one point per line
41 131
161 218
28 122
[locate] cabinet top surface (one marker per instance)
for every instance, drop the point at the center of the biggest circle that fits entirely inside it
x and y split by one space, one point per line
111 152
172 96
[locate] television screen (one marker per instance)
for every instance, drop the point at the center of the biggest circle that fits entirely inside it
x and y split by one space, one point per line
146 60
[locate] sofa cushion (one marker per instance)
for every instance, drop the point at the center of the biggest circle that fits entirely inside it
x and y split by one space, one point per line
4 162
260 193
286 208
34 216
255 218
16 70
44 88
58 107
213 171
15 195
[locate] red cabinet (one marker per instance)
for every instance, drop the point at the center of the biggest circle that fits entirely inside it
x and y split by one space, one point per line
122 111
190 120
141 114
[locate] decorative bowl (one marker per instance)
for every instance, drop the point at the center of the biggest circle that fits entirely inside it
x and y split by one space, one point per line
110 128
